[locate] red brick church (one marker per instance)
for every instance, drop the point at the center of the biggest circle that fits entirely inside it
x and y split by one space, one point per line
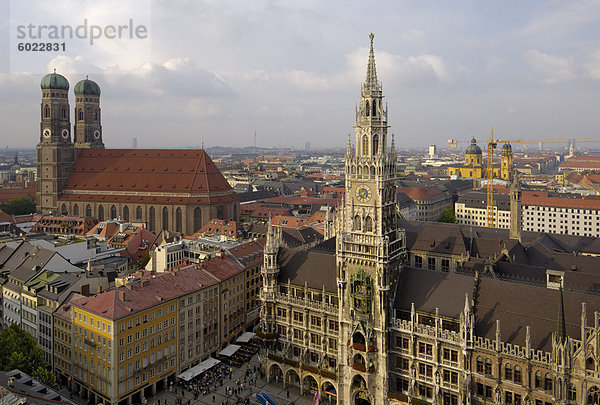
168 189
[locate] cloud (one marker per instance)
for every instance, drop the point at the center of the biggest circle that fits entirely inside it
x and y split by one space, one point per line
554 69
179 77
592 67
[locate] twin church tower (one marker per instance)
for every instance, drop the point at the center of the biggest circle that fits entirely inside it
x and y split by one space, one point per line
58 148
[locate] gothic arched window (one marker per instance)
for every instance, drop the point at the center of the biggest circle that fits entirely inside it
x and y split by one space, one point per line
365 145
138 212
80 116
220 212
197 219
178 227
46 111
165 219
113 212
64 112
368 224
126 213
374 108
96 115
151 218
76 210
375 144
88 211
357 226
101 213
63 209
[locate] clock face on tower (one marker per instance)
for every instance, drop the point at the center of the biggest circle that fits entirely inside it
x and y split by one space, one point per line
363 193
47 133
65 133
96 134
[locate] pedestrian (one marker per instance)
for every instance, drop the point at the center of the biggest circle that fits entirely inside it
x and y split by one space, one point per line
213 398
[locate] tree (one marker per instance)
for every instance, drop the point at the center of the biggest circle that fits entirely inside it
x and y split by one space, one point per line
447 215
20 351
19 206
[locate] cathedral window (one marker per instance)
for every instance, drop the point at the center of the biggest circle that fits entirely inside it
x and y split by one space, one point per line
368 224
46 111
101 213
178 220
365 145
88 211
220 212
63 209
375 143
165 219
367 108
138 212
80 114
64 112
374 108
126 213
113 212
197 219
151 218
76 210
357 226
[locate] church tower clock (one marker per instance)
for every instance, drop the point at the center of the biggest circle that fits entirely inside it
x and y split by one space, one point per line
55 157
369 250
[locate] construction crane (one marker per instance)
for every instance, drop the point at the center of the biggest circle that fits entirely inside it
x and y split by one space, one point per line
491 145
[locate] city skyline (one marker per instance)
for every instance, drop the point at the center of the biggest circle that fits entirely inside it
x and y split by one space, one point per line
290 72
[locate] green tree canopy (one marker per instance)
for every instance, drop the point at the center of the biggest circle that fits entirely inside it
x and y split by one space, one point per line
20 351
19 206
447 215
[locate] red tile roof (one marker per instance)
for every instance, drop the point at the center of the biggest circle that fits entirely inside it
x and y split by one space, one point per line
541 198
146 292
7 194
189 173
231 229
421 193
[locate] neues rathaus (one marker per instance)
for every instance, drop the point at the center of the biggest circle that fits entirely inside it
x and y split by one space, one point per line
386 310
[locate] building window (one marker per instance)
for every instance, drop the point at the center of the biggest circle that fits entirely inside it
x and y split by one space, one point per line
126 213
431 263
113 212
165 219
101 213
197 219
88 211
138 212
418 262
151 218
178 220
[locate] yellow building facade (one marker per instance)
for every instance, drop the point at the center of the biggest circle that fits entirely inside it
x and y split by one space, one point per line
124 345
474 166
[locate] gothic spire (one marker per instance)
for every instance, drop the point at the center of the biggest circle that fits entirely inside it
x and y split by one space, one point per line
371 83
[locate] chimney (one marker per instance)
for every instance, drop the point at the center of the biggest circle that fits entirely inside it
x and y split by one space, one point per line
85 290
122 227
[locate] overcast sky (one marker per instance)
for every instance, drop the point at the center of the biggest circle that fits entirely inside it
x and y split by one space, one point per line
291 70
